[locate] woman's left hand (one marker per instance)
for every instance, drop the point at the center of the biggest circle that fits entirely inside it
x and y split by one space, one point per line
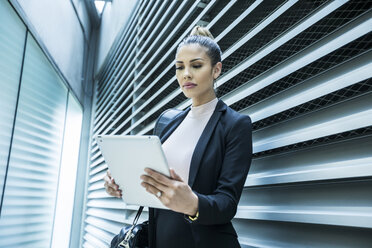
174 192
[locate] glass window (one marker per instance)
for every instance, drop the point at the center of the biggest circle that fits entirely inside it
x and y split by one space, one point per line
67 175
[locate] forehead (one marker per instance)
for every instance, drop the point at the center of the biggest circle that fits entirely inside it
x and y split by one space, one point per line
190 52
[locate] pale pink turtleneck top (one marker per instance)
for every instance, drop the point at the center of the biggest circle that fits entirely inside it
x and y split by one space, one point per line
180 145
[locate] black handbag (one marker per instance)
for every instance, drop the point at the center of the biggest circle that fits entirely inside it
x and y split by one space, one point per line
136 235
133 236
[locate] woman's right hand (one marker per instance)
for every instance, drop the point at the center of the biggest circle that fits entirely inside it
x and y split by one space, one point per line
111 187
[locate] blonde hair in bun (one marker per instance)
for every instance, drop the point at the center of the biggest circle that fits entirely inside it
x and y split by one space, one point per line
201 31
203 37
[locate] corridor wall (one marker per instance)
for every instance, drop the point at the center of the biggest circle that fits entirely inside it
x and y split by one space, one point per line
300 69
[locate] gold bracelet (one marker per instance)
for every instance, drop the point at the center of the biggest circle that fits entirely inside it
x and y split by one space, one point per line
195 217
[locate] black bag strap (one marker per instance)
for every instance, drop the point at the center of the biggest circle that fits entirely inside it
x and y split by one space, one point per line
128 234
137 215
164 119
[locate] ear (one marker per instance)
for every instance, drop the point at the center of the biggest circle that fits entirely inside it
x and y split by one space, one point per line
217 70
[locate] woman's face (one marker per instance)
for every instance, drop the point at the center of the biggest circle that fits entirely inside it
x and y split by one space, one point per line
195 73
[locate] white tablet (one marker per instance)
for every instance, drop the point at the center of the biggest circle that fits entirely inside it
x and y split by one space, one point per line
127 157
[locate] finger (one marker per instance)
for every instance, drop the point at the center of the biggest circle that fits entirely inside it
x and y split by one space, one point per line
113 186
112 182
113 192
175 176
107 182
150 188
106 178
118 194
158 177
151 181
109 173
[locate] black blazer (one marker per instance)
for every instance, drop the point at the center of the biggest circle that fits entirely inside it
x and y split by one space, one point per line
218 170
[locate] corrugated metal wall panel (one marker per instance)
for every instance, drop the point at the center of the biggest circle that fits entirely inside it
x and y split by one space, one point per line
300 69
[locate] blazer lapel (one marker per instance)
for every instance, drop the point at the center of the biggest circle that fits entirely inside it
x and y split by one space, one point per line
203 141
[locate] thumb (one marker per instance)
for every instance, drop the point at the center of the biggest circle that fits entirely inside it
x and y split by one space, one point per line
175 176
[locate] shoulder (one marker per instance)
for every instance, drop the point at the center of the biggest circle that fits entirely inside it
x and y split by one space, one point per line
236 129
165 119
232 119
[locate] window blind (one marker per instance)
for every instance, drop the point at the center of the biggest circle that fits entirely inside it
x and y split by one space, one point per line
30 192
12 42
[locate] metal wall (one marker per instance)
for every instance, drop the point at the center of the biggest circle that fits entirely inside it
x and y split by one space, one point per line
300 69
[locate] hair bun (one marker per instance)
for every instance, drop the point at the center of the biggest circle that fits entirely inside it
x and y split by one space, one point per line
201 31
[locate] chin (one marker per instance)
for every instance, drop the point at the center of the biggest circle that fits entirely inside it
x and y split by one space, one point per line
188 95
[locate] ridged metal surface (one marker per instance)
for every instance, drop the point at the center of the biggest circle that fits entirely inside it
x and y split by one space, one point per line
300 69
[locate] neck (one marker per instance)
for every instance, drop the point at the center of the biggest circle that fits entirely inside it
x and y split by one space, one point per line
197 101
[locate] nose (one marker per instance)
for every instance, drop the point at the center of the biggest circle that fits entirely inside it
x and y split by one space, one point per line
186 73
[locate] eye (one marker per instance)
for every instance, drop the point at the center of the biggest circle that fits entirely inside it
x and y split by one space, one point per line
196 66
179 67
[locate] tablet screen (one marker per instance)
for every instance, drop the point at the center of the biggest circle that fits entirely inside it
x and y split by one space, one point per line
127 157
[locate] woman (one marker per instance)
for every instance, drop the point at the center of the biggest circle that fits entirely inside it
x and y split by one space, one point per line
208 147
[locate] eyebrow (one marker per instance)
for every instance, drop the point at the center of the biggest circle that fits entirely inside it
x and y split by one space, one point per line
190 60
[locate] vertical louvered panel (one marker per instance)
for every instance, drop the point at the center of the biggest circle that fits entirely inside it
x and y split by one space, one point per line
301 70
12 42
28 208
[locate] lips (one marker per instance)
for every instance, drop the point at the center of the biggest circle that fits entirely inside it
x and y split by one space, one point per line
189 85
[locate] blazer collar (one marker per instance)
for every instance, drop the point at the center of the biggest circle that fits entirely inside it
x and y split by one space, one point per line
203 140
172 125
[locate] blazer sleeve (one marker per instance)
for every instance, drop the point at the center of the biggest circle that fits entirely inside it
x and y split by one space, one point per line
220 207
